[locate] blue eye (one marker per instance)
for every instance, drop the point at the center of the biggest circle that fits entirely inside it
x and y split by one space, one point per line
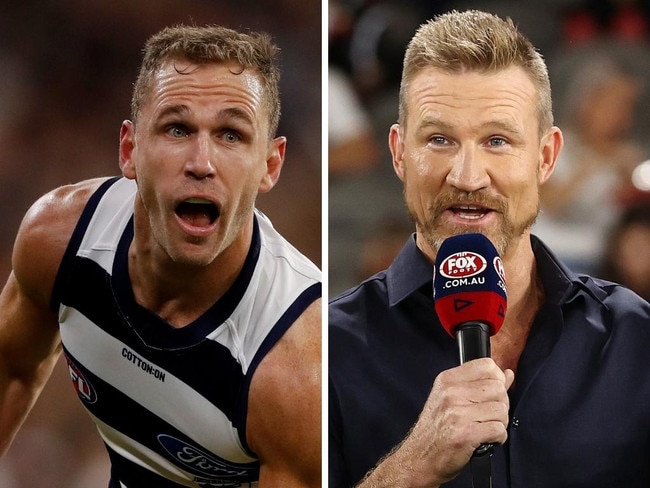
497 141
438 140
231 136
177 131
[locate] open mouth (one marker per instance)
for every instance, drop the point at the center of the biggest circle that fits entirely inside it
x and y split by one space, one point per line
470 212
197 212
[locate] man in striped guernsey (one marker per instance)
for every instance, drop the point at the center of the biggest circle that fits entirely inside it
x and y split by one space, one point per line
190 326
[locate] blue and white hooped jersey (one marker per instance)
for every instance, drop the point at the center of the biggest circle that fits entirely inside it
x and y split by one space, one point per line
171 404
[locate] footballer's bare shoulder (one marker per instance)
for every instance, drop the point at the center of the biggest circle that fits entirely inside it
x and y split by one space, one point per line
44 234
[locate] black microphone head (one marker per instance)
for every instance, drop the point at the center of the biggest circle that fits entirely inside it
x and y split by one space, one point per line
469 283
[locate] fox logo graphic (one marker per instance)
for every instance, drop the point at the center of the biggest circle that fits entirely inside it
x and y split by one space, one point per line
463 264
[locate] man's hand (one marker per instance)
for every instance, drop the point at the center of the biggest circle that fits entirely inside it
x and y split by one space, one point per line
468 406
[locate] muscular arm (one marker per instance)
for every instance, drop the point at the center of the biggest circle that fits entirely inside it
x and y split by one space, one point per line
29 335
284 420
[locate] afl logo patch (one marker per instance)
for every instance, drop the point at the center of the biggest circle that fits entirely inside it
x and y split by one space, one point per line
463 265
81 384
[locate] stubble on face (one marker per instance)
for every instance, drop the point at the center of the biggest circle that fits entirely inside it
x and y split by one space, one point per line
210 98
435 230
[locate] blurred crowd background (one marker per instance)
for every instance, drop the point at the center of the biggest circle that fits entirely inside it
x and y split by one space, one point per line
67 71
595 211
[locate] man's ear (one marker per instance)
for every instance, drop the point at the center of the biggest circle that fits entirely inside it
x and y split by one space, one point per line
274 162
396 146
127 145
550 151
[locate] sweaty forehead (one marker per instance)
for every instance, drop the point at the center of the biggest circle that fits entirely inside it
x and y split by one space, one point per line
207 75
177 82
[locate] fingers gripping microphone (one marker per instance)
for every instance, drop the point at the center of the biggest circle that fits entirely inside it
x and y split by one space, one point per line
470 295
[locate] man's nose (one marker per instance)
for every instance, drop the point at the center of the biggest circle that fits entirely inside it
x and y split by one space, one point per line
200 162
468 171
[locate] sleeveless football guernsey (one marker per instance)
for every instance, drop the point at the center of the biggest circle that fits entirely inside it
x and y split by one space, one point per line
171 404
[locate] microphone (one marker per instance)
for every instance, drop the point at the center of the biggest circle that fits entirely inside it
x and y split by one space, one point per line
469 292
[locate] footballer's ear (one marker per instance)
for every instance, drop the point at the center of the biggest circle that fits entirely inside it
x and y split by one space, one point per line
397 150
549 152
274 162
127 145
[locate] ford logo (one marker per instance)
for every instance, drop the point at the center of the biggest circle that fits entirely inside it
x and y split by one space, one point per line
199 462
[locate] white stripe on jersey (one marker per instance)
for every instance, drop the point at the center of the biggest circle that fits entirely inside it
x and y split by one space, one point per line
278 263
104 356
100 240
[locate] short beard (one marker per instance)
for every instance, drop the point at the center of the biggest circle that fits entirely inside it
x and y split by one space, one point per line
435 231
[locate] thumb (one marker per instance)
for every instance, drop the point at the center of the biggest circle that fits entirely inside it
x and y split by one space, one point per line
510 377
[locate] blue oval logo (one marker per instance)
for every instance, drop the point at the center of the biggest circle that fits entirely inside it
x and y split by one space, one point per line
208 465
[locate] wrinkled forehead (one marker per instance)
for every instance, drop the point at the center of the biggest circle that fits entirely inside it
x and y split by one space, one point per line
511 88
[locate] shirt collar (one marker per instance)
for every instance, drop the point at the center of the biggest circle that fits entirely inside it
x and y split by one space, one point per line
561 285
411 270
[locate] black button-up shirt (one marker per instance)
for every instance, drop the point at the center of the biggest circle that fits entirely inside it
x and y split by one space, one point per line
580 404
